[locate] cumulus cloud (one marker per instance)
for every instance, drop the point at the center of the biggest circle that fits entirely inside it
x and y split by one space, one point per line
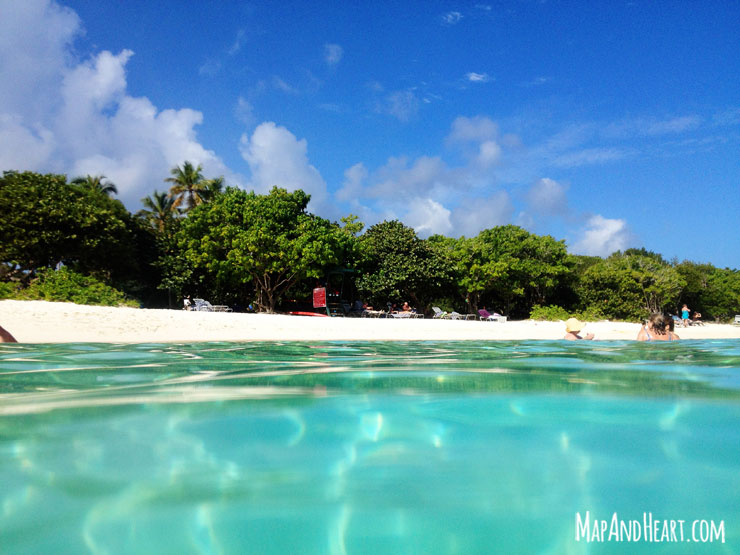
428 217
276 157
333 54
602 236
478 128
475 214
547 196
62 114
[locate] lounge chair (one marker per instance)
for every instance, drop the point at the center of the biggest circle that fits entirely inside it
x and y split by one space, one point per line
488 317
439 314
202 305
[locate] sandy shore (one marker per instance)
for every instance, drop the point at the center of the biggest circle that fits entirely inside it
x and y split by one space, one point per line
45 322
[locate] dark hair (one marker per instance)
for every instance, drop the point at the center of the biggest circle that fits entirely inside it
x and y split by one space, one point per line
659 322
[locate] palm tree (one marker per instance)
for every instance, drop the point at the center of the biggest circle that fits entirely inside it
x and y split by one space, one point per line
214 187
188 186
95 183
158 210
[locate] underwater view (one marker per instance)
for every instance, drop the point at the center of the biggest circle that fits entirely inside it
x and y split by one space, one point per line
370 447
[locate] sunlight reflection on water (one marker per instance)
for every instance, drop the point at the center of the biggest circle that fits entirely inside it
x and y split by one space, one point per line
354 447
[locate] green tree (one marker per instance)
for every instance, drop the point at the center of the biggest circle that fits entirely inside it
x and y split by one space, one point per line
158 211
507 268
261 243
400 266
630 286
96 183
721 298
190 189
44 221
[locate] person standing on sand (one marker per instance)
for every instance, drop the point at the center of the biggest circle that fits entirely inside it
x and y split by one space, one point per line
658 328
6 336
187 303
685 315
573 327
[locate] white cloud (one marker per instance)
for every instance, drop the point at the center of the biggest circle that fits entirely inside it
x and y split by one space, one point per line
239 41
333 54
489 154
589 156
602 236
403 105
673 125
475 129
34 56
451 18
477 77
210 67
244 112
354 179
475 214
428 217
60 114
280 84
547 196
276 157
651 127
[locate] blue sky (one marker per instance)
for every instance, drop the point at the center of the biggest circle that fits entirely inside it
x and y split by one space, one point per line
607 124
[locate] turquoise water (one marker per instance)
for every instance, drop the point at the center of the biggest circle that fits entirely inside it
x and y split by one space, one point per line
353 447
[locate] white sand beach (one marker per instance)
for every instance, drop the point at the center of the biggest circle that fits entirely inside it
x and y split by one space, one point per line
48 322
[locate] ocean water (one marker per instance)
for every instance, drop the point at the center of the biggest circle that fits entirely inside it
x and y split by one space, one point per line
370 447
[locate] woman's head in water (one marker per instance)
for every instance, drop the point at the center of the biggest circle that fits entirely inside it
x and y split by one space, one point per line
659 322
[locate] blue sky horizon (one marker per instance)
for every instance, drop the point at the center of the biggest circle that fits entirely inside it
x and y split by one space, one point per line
610 125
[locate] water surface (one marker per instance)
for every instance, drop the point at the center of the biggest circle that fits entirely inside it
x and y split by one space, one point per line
364 447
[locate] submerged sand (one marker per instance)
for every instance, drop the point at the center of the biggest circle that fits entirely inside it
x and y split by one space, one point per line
49 322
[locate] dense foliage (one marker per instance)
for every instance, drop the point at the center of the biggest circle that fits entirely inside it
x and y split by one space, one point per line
66 285
506 268
239 248
399 266
265 243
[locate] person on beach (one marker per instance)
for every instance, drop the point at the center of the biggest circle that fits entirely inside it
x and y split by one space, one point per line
6 336
406 307
658 328
187 304
573 327
685 315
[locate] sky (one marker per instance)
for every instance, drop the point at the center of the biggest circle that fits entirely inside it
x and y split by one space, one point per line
607 124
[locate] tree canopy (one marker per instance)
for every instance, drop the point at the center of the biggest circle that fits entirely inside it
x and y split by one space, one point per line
240 247
266 242
44 221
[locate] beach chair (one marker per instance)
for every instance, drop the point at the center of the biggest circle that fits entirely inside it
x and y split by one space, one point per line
737 320
202 305
488 317
439 314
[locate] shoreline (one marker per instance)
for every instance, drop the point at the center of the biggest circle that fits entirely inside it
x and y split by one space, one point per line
53 322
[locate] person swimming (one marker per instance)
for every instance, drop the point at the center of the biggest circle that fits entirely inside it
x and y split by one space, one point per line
573 327
658 328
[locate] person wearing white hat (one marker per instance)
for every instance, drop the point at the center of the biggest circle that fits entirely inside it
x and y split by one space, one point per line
573 327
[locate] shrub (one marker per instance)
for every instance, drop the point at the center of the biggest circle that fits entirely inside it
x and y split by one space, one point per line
64 285
7 289
551 313
556 313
